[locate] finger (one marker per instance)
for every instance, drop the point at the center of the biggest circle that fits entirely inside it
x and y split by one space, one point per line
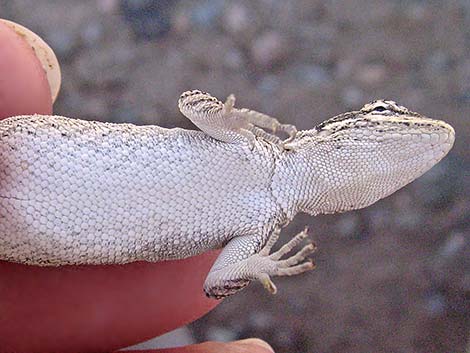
251 345
98 308
85 308
24 88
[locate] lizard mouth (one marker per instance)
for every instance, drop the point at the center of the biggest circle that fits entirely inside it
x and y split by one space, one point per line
412 127
425 135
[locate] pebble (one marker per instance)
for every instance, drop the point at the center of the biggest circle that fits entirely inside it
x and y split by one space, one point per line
206 13
371 74
234 59
435 305
236 19
347 225
108 6
439 186
269 84
148 19
63 42
261 320
180 337
453 245
313 76
125 114
438 62
91 33
352 97
220 334
269 50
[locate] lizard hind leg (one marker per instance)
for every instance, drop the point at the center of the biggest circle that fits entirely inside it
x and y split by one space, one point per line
239 263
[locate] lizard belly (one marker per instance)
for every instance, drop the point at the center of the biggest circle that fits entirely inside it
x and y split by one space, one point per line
115 194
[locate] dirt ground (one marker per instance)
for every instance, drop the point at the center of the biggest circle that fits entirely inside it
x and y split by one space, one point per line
394 277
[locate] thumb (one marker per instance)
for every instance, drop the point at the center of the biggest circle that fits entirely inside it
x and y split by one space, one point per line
251 345
24 88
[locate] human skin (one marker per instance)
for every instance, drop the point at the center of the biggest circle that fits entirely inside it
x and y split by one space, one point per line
91 308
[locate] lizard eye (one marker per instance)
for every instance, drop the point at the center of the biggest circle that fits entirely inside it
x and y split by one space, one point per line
380 109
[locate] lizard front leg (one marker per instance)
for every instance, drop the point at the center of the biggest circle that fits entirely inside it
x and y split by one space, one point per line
224 122
239 263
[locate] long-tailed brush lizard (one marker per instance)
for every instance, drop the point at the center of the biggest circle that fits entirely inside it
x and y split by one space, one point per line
83 192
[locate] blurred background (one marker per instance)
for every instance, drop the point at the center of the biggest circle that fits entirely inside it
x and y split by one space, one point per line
394 277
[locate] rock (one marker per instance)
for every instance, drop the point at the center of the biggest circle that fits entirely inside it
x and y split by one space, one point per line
124 114
438 62
236 18
108 6
91 33
345 68
63 42
352 97
313 76
435 305
234 59
206 13
221 334
261 320
269 84
180 337
181 22
463 80
453 245
417 12
348 225
101 68
148 19
407 215
269 50
439 187
371 74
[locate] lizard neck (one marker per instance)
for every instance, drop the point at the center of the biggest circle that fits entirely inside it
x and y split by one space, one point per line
293 183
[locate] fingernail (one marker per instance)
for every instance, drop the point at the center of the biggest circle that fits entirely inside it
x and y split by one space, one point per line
256 342
44 53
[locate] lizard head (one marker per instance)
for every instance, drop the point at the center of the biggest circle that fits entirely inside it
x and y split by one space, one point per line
381 122
359 157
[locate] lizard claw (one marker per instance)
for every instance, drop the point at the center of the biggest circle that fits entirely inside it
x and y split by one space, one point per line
293 265
268 284
262 266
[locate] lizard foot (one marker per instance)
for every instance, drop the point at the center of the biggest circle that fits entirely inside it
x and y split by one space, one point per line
293 265
223 281
291 130
224 122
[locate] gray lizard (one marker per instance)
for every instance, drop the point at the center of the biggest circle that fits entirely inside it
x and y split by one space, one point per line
84 192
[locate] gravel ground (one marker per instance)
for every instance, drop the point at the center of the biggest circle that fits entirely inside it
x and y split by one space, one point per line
394 277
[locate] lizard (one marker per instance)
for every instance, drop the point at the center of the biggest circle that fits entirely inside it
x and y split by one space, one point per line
86 192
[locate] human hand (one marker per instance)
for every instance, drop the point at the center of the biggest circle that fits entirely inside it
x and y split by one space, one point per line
90 308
